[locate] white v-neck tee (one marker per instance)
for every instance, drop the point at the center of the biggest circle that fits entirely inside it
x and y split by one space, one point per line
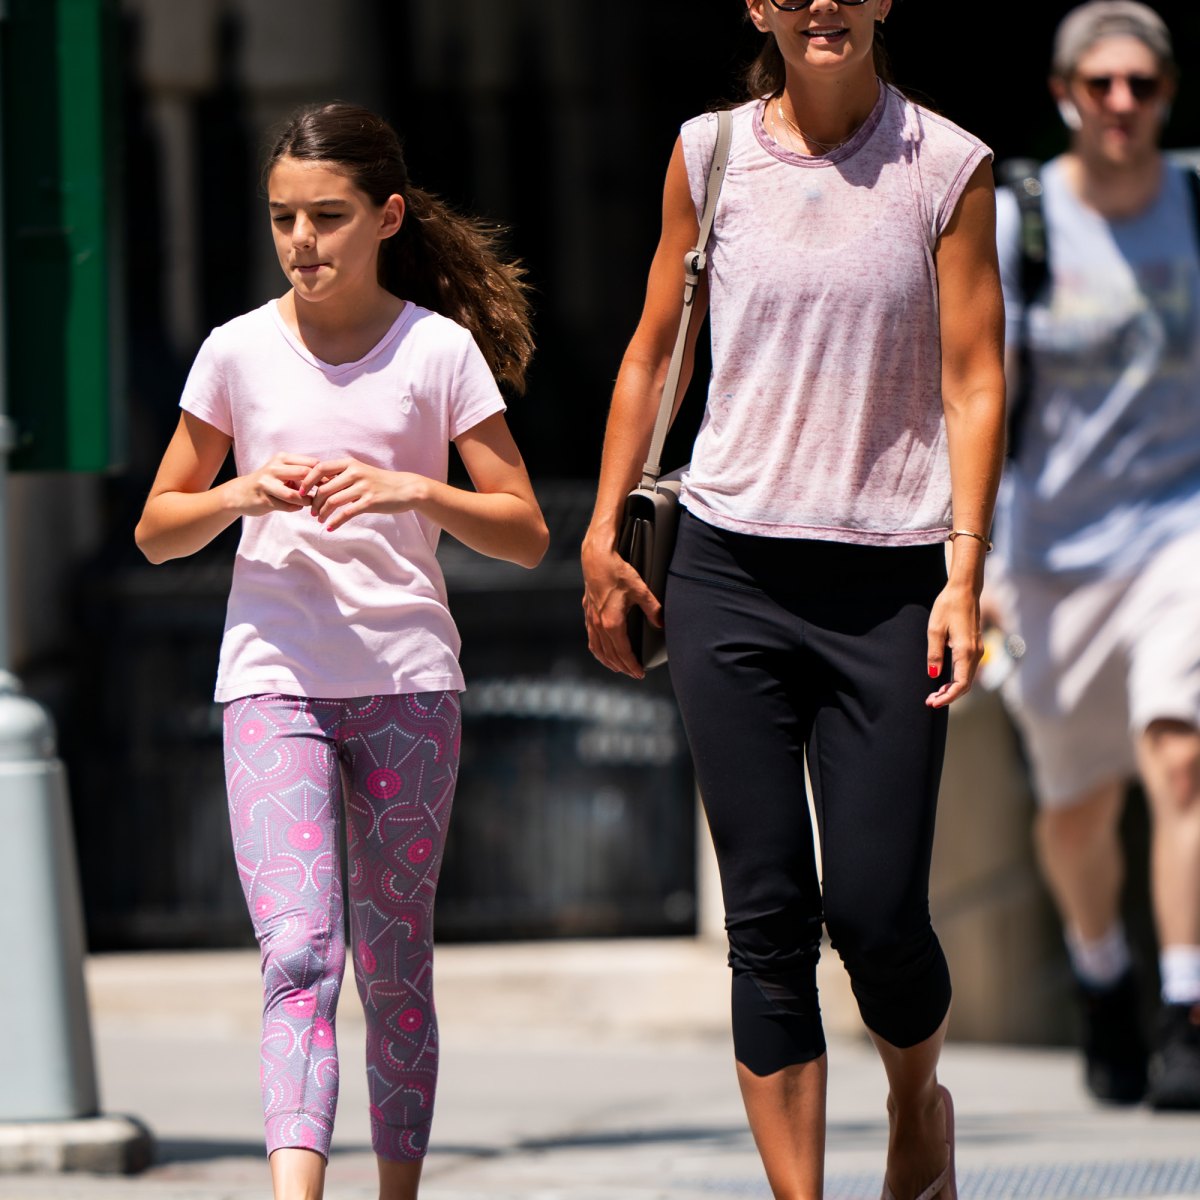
361 610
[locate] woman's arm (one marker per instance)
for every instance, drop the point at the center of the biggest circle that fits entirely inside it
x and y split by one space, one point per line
972 333
611 586
501 518
184 512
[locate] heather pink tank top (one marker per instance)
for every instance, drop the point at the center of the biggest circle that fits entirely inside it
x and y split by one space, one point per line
824 415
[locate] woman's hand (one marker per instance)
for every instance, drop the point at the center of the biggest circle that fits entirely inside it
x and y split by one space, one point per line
972 335
954 622
611 588
274 487
341 488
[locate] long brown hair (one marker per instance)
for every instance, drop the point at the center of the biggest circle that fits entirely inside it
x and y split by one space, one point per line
440 259
767 73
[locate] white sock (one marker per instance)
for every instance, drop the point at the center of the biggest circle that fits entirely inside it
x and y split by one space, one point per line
1179 967
1099 963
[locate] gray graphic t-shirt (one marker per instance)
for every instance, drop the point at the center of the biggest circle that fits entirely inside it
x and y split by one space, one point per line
1108 468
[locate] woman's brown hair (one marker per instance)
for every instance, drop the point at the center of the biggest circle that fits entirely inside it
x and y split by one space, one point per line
440 259
766 74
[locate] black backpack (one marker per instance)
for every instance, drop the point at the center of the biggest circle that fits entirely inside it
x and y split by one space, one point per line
1022 176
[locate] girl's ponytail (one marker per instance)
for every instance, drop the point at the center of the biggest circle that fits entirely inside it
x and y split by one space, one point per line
440 259
453 264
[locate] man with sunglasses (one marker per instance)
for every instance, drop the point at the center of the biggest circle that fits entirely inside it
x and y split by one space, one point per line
1099 529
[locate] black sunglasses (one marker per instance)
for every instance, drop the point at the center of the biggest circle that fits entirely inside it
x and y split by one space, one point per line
797 5
1141 87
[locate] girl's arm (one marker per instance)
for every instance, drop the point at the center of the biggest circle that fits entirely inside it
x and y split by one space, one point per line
611 586
972 332
184 512
501 518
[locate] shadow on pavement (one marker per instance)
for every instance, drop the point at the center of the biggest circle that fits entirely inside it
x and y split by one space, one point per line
640 1137
168 1151
175 1151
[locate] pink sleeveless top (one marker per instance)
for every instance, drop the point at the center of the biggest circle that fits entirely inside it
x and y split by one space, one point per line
824 415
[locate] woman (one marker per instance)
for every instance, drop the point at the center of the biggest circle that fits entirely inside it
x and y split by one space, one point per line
853 425
339 667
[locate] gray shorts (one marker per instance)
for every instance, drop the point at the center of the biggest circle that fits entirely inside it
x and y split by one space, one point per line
1102 661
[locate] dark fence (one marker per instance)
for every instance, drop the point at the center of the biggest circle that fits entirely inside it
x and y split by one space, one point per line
575 806
574 813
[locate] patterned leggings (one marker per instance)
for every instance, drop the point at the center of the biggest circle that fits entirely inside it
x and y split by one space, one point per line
291 765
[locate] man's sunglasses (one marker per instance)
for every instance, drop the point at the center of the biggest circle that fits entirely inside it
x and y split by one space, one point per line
1141 87
797 5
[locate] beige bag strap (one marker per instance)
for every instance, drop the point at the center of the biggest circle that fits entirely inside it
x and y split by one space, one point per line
694 262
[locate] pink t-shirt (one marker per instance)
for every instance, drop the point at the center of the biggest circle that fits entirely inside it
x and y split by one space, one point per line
360 611
824 416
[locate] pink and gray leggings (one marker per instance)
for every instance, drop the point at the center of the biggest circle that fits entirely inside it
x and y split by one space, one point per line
299 773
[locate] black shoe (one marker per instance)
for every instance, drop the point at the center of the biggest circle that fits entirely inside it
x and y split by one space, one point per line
1114 1045
1175 1070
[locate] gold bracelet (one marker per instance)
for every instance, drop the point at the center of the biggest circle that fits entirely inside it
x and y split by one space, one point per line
954 533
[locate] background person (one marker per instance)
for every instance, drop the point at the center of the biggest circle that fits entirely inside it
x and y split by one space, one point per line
1099 528
852 423
339 668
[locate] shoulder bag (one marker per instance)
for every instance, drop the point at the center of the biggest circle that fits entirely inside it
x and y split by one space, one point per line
651 517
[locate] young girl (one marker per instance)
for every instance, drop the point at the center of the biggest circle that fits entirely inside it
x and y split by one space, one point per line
339 668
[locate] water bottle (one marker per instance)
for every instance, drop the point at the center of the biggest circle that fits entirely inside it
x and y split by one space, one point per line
1001 654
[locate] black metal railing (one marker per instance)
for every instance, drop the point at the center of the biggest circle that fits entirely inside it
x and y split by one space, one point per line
574 813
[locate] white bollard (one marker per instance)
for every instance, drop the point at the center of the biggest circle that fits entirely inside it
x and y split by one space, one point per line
47 1071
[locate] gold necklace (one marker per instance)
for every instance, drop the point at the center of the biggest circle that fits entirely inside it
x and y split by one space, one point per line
808 139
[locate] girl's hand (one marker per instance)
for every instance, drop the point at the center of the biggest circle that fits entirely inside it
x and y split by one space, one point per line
611 588
954 622
341 488
274 487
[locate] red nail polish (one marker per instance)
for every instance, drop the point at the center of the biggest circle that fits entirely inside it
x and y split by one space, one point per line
934 672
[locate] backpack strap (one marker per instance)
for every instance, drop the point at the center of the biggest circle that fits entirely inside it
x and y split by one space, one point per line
1021 176
1192 174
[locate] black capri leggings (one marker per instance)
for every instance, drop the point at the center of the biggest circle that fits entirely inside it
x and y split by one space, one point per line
782 650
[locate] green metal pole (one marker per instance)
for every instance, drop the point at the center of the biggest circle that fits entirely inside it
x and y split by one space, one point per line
62 151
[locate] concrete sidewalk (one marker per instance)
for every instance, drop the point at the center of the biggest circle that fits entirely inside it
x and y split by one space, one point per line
590 1070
